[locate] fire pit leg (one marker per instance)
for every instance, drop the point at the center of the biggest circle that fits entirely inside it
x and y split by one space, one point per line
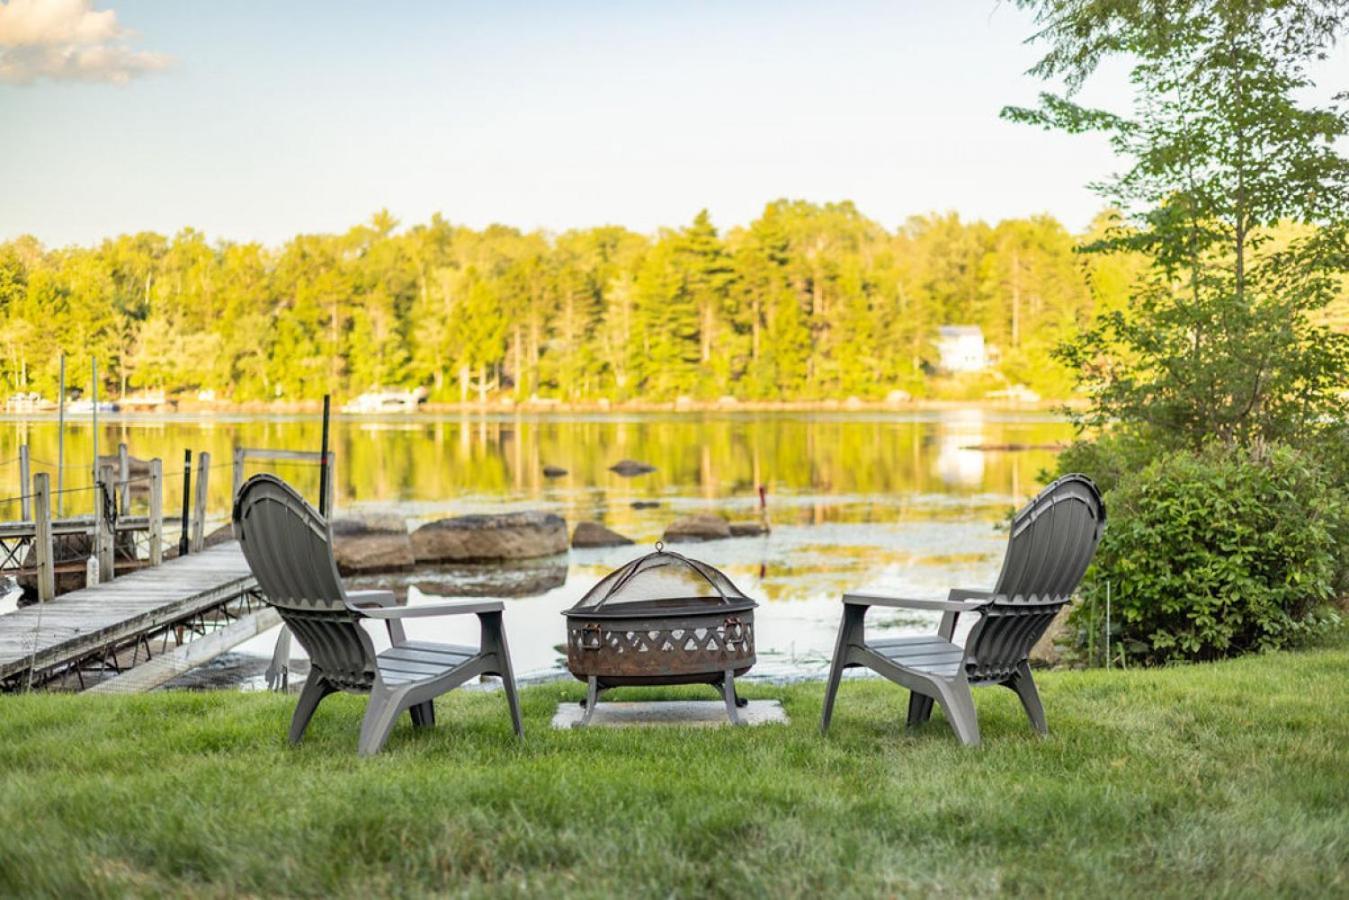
592 700
728 691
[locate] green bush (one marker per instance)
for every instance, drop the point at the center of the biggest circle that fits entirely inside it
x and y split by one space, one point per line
1218 553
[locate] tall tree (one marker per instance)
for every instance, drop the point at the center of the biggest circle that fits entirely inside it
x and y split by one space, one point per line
1221 340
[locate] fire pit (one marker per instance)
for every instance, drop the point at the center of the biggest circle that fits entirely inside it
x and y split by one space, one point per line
661 619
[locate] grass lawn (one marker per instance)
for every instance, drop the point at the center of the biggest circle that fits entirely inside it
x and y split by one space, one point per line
1226 779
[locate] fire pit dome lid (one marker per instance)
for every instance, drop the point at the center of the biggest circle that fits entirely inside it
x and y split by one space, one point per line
659 581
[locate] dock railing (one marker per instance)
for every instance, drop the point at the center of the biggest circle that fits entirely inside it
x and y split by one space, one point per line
117 537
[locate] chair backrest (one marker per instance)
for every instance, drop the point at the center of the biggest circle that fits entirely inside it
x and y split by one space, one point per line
1051 544
288 546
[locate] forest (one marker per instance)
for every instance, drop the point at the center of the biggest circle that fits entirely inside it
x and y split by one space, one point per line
807 302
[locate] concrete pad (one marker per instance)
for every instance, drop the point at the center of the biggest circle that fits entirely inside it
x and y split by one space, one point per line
703 713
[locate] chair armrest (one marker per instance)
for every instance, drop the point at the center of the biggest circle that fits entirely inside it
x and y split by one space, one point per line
367 599
968 594
911 603
439 609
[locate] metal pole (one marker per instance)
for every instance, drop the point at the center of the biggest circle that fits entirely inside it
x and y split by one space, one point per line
61 437
94 391
323 460
187 500
25 507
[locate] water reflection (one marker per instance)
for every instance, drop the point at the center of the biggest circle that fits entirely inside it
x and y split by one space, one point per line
891 501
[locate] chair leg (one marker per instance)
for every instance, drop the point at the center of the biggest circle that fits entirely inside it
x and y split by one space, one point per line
316 687
423 714
849 630
1024 686
494 640
920 709
728 693
513 701
958 703
380 715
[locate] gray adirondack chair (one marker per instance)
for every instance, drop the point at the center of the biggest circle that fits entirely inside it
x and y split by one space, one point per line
1052 542
288 546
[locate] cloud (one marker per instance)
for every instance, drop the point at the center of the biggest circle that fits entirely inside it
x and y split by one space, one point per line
68 40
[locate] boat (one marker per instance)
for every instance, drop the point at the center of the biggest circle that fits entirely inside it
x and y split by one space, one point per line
383 401
27 402
86 407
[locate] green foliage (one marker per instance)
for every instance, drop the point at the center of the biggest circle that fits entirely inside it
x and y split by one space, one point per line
1216 553
1225 337
809 301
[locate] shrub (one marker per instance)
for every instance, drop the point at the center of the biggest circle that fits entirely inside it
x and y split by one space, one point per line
1219 553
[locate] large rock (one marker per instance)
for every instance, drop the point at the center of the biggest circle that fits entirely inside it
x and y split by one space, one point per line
1047 651
593 534
630 467
483 538
371 543
703 527
66 549
749 529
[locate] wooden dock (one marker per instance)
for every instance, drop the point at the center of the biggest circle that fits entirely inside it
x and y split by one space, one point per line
93 624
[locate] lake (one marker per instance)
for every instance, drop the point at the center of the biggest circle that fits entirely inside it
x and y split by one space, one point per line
901 502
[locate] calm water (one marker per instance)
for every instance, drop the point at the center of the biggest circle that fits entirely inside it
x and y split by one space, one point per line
896 501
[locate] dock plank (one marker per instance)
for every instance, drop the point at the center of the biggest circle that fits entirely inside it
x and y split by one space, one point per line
76 624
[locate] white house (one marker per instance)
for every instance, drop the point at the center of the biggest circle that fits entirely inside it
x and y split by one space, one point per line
962 348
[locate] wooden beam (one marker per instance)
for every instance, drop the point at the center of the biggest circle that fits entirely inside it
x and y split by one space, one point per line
105 540
199 511
156 523
42 539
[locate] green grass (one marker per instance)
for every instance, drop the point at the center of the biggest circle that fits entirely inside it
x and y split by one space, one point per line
1224 779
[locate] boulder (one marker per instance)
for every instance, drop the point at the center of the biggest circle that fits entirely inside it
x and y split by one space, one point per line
1046 652
528 578
553 471
222 535
630 467
481 538
593 534
371 543
66 548
644 504
703 527
749 529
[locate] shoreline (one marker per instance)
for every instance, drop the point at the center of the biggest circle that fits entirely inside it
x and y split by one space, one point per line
194 408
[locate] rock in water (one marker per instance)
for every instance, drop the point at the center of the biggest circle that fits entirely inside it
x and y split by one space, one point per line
66 548
704 527
371 543
553 471
630 467
749 529
593 534
644 504
482 538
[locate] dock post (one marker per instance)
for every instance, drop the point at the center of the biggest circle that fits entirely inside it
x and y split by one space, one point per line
124 476
107 546
156 512
25 510
325 479
187 499
42 538
238 474
199 510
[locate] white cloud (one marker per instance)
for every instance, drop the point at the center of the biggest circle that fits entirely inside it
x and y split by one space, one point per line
68 40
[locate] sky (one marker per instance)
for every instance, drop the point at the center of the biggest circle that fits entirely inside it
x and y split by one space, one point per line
253 120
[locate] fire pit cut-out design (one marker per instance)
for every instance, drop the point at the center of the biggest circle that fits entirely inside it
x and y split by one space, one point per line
661 619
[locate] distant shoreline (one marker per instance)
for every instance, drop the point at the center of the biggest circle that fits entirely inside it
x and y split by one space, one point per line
315 407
